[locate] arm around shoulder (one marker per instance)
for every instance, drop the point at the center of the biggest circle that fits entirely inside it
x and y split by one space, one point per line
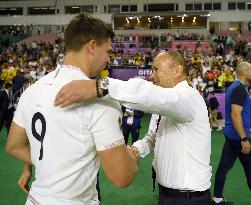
140 94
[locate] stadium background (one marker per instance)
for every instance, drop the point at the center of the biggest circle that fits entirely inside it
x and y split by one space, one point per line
139 192
134 21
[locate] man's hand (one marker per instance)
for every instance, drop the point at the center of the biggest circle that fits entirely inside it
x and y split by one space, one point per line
134 153
75 91
246 147
25 178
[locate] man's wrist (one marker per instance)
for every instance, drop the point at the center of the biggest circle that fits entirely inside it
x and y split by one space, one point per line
102 86
98 90
244 139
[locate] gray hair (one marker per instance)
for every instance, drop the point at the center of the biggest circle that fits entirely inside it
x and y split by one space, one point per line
243 67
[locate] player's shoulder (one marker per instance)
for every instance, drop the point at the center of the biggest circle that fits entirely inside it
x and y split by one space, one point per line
240 88
107 104
27 91
96 106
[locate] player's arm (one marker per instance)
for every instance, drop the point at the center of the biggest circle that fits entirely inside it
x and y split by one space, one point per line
118 161
25 177
17 143
238 125
237 120
119 164
238 98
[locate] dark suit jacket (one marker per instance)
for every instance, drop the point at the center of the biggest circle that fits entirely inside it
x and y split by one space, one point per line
4 101
17 83
136 118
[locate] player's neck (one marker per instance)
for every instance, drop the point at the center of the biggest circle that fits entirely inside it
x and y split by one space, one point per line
77 61
242 79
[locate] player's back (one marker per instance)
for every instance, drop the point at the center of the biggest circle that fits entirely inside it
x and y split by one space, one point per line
62 147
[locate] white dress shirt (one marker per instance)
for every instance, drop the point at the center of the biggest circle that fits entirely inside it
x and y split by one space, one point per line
67 172
182 144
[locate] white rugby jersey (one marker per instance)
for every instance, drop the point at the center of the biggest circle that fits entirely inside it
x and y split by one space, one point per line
64 141
182 144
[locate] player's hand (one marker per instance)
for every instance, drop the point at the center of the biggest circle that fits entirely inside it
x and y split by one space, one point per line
135 151
75 91
246 147
25 178
132 153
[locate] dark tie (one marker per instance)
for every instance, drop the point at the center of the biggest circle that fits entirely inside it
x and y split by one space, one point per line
158 124
10 99
153 171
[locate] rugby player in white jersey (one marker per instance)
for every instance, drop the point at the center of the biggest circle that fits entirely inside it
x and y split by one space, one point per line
67 145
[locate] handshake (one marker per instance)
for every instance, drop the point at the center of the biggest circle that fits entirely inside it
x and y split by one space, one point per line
133 152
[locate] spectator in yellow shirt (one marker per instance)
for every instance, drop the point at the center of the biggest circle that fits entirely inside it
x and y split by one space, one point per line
225 79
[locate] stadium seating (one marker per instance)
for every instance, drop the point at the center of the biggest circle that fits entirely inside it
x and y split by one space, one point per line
48 38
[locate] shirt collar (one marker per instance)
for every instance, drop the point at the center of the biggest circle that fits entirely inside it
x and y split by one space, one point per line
182 84
241 82
73 69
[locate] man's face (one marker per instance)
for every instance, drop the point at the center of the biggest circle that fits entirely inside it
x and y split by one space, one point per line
102 56
162 74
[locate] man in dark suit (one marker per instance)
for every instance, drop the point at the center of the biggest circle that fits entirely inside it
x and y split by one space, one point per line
131 123
17 83
6 107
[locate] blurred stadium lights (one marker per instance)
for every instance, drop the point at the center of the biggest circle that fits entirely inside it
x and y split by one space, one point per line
205 15
183 15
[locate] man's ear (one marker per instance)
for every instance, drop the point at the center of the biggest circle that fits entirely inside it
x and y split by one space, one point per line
179 71
91 46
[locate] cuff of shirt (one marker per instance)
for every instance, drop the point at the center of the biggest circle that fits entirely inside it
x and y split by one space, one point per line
143 150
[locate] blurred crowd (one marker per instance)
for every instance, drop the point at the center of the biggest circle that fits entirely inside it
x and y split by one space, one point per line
31 61
211 71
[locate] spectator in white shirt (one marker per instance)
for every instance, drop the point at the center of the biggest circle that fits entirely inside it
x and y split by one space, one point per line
205 67
33 74
41 71
182 140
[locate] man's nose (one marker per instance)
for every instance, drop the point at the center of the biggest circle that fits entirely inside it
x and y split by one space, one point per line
108 61
151 77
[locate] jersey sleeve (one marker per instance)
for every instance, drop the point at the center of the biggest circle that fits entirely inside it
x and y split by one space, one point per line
238 96
106 128
19 115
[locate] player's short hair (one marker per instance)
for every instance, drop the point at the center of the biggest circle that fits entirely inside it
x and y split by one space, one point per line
83 28
242 67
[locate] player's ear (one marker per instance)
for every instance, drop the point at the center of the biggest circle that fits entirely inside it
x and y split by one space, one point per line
91 45
179 71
